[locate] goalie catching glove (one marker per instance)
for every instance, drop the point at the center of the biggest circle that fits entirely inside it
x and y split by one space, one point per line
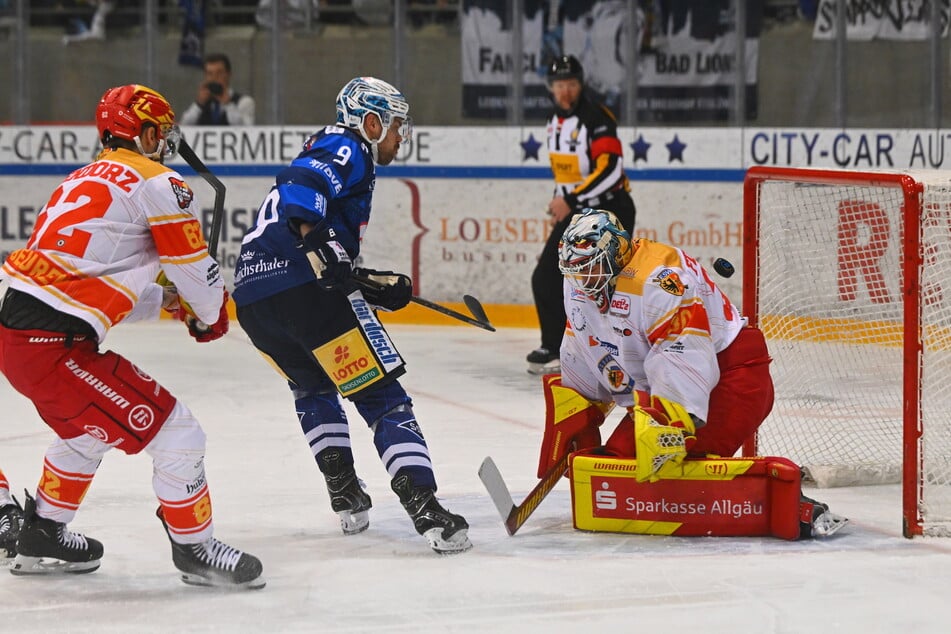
330 260
663 434
384 289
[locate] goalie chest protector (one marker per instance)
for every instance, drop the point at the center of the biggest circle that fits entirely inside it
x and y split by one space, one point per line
726 497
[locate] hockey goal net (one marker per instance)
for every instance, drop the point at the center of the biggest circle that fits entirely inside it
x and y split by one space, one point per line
848 274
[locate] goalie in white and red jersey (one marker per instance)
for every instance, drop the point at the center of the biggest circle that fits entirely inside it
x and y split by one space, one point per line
650 331
98 247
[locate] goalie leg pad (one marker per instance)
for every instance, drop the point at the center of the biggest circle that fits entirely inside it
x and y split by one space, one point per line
728 497
571 422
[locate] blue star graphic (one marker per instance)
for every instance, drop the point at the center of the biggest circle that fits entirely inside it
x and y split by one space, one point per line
640 147
676 149
530 147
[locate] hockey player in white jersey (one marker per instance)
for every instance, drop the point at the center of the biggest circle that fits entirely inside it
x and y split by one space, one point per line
92 263
649 330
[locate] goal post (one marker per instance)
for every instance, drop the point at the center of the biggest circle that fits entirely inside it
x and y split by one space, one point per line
848 274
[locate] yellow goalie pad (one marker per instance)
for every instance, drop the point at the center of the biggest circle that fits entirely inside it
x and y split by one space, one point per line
708 496
571 422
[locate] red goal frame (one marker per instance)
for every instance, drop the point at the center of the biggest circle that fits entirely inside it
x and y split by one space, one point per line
912 196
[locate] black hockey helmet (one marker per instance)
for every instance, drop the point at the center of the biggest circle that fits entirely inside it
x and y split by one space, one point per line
565 67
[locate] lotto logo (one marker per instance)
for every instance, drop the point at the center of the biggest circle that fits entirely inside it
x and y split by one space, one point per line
341 354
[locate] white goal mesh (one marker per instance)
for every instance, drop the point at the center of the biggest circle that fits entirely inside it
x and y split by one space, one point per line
843 270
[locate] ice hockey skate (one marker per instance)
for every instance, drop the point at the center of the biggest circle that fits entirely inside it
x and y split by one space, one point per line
446 532
214 563
11 521
542 361
816 520
47 547
348 497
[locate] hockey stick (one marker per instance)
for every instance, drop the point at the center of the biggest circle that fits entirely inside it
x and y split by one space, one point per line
217 214
514 516
480 321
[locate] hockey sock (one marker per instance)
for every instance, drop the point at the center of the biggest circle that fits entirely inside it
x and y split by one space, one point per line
397 436
323 422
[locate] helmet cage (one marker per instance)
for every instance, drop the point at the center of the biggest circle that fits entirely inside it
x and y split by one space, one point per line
593 250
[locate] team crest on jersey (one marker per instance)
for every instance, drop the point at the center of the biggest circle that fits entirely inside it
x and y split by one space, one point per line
183 193
670 282
614 374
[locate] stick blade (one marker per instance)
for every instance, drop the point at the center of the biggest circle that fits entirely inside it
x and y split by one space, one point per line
475 307
492 479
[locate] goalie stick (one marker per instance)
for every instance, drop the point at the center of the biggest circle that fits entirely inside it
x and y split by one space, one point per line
515 516
480 320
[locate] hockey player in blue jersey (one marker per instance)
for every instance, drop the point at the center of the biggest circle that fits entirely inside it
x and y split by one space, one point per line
300 302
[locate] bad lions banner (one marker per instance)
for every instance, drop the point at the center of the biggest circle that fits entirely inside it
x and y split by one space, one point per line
685 54
882 19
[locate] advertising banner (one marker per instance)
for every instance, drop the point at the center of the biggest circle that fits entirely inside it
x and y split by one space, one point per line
882 19
685 56
462 209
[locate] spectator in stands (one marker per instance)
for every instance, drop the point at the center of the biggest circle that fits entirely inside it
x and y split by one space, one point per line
78 31
217 103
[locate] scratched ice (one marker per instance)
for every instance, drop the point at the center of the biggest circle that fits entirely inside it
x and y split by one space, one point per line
473 398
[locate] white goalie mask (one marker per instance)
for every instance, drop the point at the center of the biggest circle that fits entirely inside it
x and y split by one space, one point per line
593 250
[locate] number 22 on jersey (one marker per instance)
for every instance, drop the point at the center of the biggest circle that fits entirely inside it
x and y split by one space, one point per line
56 226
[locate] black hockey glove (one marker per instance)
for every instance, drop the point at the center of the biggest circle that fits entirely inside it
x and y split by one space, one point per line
384 289
333 265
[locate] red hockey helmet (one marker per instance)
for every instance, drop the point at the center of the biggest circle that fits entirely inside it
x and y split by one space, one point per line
123 111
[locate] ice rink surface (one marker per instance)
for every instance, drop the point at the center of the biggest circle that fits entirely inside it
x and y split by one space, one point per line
472 398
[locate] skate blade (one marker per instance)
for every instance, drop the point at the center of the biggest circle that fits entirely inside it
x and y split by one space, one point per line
192 579
23 566
458 543
828 524
553 367
353 523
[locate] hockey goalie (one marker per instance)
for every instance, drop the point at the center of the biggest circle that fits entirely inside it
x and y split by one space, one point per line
649 331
